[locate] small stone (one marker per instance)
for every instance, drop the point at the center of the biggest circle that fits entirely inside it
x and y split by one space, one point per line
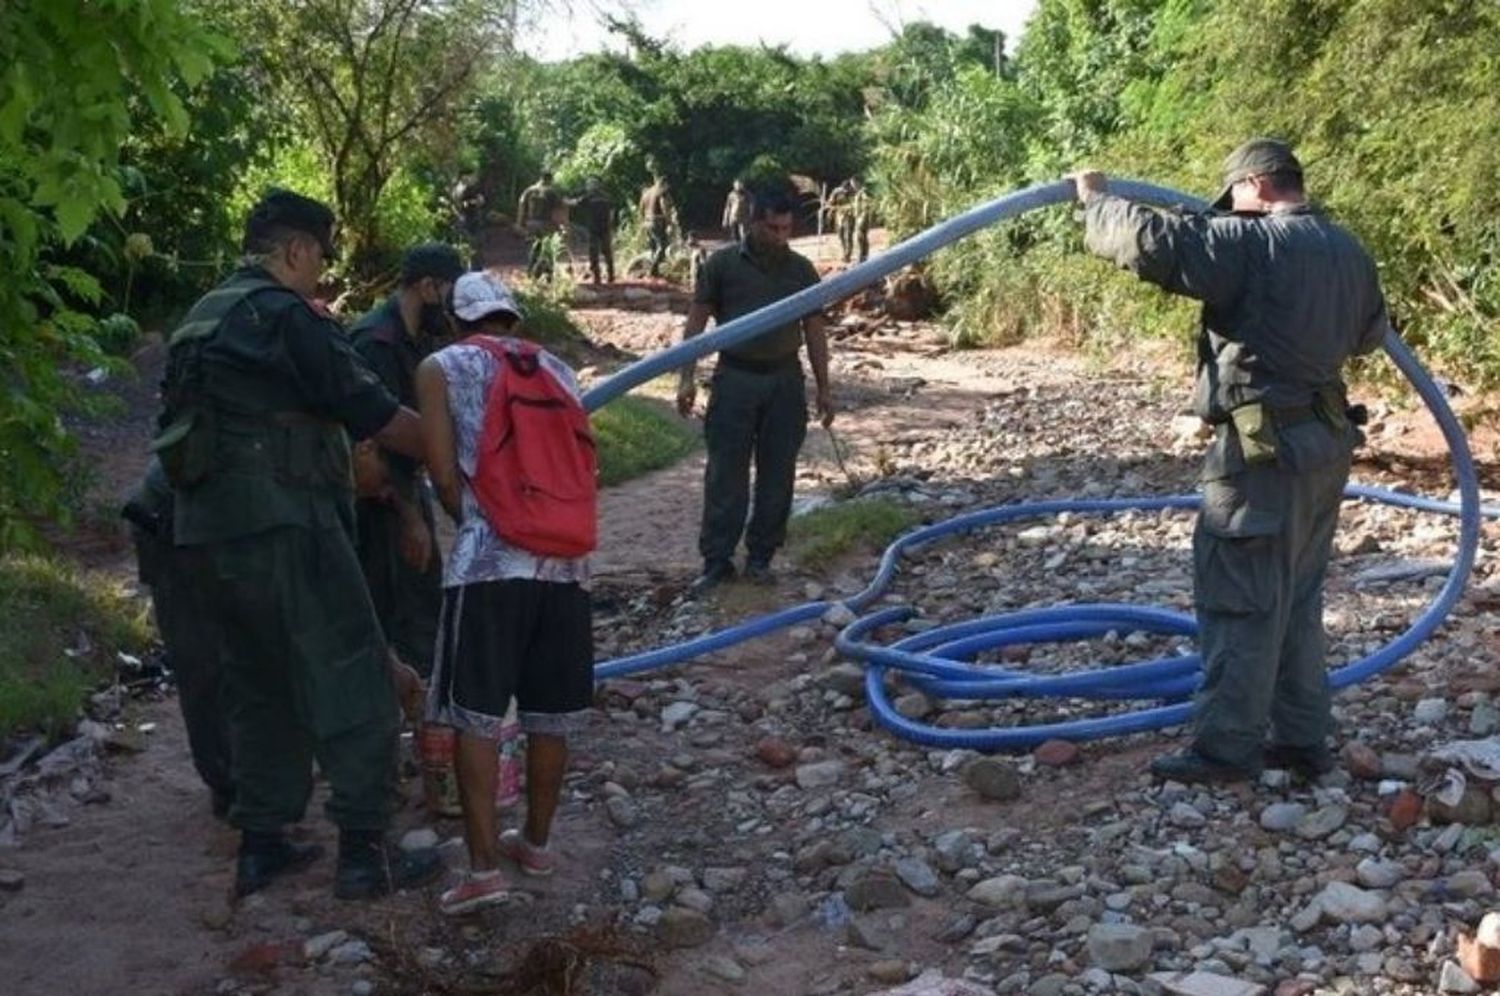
724 967
918 876
787 908
1480 959
11 880
1202 983
1361 761
1000 892
1183 815
993 779
622 811
420 839
1454 979
355 952
1406 810
889 972
695 899
723 879
839 615
1057 753
1321 822
1469 884
1373 873
1341 902
1120 947
315 948
775 752
657 885
675 714
684 928
1430 712
819 774
875 889
1279 817
362 987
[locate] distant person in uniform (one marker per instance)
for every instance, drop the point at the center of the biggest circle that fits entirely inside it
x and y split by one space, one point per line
599 222
737 206
659 216
537 214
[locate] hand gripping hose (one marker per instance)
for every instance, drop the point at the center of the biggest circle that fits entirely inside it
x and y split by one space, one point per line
936 660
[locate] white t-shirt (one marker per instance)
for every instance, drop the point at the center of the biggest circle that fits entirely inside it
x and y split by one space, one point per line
478 554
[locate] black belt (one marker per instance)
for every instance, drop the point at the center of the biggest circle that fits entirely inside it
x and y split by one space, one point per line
759 366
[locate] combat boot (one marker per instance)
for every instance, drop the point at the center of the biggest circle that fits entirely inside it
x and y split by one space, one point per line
264 856
1191 766
1310 763
371 866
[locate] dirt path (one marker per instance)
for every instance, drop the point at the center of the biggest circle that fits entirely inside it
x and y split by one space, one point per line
130 895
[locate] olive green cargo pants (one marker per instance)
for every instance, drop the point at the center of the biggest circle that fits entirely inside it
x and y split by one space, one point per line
759 418
1260 554
305 675
407 601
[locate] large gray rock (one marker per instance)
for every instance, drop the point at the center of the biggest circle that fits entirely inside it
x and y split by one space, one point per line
1204 984
1340 902
1000 892
1120 947
918 876
819 774
875 889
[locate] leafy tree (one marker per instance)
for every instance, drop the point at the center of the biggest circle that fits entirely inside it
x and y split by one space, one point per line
70 74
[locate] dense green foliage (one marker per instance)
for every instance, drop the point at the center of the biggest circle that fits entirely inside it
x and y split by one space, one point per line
1392 105
134 135
62 630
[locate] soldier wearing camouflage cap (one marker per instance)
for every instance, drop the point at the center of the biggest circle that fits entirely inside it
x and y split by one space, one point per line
1288 297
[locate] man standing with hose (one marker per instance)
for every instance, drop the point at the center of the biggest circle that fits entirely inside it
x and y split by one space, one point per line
1288 297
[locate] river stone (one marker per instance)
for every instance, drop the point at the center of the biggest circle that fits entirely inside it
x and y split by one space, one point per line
993 779
1341 902
684 928
1120 947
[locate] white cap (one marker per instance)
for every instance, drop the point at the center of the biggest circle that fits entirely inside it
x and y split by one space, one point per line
478 294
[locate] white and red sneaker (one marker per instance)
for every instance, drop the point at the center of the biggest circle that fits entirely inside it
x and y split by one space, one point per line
535 861
478 889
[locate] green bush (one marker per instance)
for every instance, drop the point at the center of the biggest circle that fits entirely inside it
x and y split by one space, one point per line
63 628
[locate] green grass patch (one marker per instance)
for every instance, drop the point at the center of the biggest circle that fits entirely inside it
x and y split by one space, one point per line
636 435
50 608
824 534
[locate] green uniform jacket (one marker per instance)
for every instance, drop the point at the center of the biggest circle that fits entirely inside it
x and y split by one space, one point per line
284 380
1287 296
736 280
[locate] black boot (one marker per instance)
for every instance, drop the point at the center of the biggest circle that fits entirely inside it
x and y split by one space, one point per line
264 856
371 866
715 573
1191 766
1309 762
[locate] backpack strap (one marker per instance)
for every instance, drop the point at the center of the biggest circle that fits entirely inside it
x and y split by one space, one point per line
523 357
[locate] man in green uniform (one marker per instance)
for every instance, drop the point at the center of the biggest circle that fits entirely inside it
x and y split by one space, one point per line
537 214
259 392
1287 296
189 632
599 223
857 214
736 220
757 410
397 542
659 215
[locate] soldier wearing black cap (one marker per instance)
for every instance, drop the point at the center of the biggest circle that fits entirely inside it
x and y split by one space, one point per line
397 545
1287 297
259 393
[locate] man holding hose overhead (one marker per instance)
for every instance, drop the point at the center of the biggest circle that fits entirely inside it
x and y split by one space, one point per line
1288 297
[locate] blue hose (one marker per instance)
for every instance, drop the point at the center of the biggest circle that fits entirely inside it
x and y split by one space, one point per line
936 661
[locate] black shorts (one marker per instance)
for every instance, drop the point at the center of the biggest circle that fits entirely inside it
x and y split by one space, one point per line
533 640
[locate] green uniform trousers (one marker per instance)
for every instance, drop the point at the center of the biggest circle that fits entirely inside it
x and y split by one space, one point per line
658 241
1260 553
759 417
407 601
195 650
305 675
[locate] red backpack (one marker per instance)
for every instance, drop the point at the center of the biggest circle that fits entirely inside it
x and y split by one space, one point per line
535 473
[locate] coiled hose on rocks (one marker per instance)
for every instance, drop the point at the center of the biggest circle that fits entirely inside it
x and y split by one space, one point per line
936 660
